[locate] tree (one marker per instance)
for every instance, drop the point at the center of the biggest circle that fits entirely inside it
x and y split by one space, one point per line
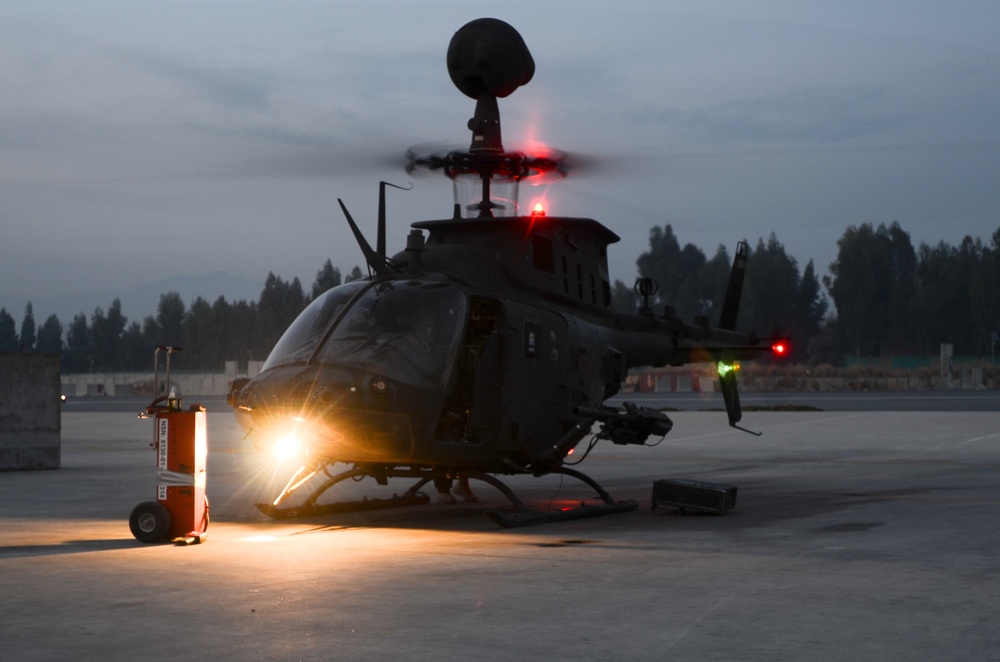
675 271
893 300
689 300
713 281
973 259
771 290
354 275
105 337
624 299
873 287
77 354
50 335
8 332
28 338
326 278
990 273
201 337
660 262
239 320
778 301
136 348
170 318
280 303
956 296
811 307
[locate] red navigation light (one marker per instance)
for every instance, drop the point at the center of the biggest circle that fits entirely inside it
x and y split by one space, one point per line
538 210
780 348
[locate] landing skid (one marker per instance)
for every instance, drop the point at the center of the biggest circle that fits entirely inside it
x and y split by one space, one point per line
315 510
525 517
309 508
522 515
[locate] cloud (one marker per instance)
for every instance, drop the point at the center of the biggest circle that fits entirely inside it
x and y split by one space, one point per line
235 126
807 116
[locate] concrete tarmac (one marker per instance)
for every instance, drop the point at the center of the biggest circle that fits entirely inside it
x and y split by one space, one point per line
856 536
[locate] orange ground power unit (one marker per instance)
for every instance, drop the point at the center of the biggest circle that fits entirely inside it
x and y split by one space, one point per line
180 439
181 453
181 507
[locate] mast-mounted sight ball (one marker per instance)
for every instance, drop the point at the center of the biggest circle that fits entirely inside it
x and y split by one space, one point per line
489 56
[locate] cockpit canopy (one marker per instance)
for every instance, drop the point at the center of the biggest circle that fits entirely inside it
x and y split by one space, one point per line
405 330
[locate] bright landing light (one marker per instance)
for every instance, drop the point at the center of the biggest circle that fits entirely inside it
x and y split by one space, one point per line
287 447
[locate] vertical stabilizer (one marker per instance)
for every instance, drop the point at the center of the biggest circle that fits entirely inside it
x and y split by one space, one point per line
731 304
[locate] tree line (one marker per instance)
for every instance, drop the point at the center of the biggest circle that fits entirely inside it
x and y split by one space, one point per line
778 299
893 299
209 333
888 299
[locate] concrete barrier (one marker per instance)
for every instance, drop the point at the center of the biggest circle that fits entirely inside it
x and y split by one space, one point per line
186 384
30 415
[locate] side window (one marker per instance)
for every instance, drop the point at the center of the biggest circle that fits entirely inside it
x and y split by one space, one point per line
543 253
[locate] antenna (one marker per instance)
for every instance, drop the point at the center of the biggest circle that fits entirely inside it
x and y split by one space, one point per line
375 260
380 239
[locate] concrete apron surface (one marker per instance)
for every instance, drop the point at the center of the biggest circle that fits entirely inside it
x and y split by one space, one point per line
856 536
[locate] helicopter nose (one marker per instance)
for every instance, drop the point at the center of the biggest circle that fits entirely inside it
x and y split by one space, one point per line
316 390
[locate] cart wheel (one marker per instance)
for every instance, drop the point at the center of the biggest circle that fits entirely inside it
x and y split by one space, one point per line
149 522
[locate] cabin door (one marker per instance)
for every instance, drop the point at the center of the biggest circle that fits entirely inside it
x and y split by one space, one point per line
472 412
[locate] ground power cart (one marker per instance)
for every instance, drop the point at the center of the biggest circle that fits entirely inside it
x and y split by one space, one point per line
180 438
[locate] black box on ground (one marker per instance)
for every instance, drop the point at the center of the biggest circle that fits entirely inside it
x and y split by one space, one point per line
685 495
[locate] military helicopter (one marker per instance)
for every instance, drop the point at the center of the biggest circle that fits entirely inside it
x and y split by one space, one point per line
487 347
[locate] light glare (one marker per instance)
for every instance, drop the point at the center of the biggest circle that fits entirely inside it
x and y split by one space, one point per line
726 368
287 447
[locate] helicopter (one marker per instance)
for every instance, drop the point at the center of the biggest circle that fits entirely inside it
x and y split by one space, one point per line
488 346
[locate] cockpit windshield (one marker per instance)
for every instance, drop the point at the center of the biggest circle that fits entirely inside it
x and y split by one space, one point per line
405 330
300 339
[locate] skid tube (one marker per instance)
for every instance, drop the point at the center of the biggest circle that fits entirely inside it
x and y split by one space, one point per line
309 507
522 515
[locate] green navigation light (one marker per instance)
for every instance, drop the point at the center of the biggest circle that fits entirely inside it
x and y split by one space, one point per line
726 368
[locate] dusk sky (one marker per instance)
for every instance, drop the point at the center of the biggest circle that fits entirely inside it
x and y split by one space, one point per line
142 140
